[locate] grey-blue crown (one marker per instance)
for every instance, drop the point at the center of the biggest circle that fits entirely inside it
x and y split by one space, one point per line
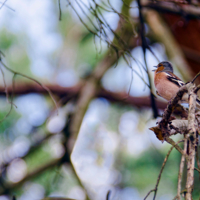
167 65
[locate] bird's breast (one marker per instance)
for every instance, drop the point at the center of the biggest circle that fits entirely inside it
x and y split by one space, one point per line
165 88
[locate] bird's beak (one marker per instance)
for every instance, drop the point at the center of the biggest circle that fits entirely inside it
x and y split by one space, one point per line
154 69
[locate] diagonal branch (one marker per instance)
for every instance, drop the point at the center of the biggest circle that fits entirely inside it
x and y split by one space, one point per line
31 175
176 146
89 90
161 170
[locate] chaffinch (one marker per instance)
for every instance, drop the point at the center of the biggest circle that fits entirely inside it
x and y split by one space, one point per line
168 84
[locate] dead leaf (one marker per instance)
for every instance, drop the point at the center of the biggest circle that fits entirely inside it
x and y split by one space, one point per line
158 133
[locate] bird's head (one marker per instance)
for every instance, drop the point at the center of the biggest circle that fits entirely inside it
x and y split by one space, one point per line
164 66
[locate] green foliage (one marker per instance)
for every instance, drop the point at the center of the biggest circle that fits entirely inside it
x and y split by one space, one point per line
7 39
39 157
142 172
49 180
19 61
80 51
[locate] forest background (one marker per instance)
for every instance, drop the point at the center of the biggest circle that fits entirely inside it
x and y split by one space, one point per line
77 96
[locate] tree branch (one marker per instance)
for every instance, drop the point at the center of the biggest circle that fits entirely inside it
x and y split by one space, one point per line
30 175
161 170
191 136
67 93
170 141
169 110
90 88
181 167
144 47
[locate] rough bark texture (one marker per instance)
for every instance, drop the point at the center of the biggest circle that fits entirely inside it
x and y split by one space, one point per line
191 136
181 167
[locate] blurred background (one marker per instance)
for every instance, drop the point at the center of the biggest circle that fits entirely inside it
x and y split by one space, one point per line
68 46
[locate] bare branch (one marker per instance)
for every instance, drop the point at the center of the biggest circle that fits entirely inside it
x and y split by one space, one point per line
162 168
170 141
144 47
181 170
149 193
66 93
89 90
30 175
168 111
195 77
191 136
197 169
32 79
3 4
60 11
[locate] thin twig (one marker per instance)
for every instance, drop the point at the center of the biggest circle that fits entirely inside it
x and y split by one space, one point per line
161 170
197 169
195 77
170 141
197 89
12 97
89 90
149 193
7 96
60 11
181 170
5 86
3 4
118 42
7 6
32 79
176 197
144 47
108 195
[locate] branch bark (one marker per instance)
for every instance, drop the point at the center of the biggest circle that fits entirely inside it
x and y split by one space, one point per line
64 94
30 175
162 168
169 110
191 136
181 170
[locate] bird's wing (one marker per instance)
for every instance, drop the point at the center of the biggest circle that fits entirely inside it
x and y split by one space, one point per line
173 78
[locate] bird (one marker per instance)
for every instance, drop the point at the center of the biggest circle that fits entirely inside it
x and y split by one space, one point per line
167 83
